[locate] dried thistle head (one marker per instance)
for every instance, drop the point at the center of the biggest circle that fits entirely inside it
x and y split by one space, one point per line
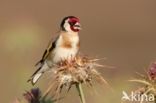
152 71
33 96
80 69
148 81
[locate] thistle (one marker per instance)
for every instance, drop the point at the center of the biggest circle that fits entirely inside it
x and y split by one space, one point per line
34 96
148 81
64 75
77 71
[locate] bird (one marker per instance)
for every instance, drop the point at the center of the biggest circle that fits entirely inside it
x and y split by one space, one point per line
63 47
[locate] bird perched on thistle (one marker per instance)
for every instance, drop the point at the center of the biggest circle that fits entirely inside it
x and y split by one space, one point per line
64 46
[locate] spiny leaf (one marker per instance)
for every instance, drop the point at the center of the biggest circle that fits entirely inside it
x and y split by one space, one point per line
141 81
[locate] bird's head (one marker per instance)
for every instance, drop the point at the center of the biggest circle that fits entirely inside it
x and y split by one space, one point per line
70 24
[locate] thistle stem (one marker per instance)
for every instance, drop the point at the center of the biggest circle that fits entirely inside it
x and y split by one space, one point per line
80 91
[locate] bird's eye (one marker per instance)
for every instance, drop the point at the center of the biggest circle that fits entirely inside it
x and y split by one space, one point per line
72 23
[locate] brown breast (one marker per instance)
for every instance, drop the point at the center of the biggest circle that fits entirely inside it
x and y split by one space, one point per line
66 41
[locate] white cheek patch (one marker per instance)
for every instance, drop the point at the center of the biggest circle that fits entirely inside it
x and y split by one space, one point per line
67 26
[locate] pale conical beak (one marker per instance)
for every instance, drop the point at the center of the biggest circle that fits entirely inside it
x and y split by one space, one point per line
78 26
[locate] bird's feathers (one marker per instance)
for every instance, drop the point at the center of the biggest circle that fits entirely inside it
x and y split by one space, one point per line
65 45
36 78
38 73
50 47
42 66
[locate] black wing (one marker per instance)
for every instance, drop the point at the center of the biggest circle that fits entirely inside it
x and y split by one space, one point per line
50 47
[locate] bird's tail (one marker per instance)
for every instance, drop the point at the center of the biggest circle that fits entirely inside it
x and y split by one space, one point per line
38 73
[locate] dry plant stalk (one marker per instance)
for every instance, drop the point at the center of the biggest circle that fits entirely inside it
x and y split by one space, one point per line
76 71
148 81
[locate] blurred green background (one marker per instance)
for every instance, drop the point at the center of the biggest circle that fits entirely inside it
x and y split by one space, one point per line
123 31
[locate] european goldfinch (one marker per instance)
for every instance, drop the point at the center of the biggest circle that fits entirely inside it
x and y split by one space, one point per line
64 46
